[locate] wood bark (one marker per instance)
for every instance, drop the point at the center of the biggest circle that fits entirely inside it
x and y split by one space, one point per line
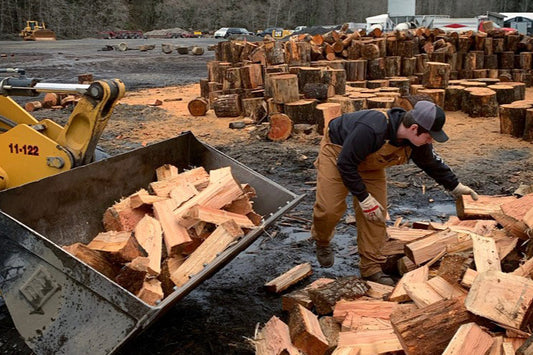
513 119
284 88
326 296
301 111
227 106
436 75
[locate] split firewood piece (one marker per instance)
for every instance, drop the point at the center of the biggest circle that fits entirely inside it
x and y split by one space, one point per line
422 293
528 218
242 205
453 266
289 278
149 235
331 330
133 274
166 171
526 348
142 197
198 177
301 297
325 297
407 235
477 226
426 248
347 350
518 208
94 259
305 331
151 292
355 322
119 246
469 339
468 278
364 308
171 263
437 322
378 291
503 298
485 254
222 190
399 294
122 216
219 240
183 193
524 270
174 235
216 216
280 127
371 341
483 208
274 338
445 289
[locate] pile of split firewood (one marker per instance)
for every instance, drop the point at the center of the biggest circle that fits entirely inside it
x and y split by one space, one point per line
466 288
155 241
310 79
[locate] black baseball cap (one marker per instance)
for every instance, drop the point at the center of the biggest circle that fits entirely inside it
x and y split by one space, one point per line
432 118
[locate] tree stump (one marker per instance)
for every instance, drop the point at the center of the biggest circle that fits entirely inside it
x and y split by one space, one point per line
309 75
402 83
297 53
528 126
513 119
376 69
355 70
227 106
436 75
380 102
280 127
505 94
482 102
519 89
319 91
301 111
182 50
255 108
284 88
198 106
347 104
325 113
437 95
374 84
453 97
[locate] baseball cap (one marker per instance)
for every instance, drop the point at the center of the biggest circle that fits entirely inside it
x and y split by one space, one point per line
431 117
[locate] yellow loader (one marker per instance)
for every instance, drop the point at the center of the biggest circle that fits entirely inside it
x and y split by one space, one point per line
37 32
30 149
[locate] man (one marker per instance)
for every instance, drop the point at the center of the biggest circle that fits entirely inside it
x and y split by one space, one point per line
354 152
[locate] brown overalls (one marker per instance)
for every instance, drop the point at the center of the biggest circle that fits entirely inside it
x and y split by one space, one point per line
331 195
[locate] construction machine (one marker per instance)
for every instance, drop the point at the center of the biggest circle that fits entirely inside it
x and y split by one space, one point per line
30 149
37 32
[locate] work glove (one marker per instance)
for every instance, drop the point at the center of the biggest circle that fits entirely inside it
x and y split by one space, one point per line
372 209
464 190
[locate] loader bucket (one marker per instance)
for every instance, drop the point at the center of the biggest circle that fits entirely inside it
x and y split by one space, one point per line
61 305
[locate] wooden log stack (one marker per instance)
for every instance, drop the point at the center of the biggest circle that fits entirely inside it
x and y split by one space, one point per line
461 295
155 241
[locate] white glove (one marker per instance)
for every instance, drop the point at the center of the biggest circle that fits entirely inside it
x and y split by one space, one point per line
372 209
464 190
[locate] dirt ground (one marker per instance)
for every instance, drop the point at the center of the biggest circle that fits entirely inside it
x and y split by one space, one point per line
221 315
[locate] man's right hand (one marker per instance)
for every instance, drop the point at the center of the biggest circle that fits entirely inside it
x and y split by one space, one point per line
461 190
372 209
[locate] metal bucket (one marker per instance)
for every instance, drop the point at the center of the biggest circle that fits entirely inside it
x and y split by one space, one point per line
61 305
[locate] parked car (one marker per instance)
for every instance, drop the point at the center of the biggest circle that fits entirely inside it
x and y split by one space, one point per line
237 31
221 33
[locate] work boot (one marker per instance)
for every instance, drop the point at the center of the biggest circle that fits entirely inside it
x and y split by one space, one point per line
325 256
381 278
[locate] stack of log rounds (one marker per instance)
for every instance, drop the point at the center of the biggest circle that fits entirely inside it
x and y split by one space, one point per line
380 102
453 98
480 102
436 94
513 119
505 94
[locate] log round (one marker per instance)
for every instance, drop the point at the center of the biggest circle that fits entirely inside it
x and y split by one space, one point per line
301 111
482 102
198 106
453 97
436 94
227 106
380 102
280 127
505 94
513 119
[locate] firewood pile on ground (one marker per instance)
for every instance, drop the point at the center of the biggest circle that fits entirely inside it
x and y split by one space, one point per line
157 239
459 293
310 79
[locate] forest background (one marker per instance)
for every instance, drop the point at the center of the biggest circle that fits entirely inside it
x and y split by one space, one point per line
81 18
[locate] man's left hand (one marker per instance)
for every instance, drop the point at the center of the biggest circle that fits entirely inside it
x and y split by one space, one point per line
464 190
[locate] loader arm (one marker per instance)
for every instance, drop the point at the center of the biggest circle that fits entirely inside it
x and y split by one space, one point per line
31 150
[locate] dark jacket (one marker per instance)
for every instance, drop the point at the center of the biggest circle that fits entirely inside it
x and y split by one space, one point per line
363 132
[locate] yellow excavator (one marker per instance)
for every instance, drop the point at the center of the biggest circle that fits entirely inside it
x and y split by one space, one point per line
30 149
37 32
